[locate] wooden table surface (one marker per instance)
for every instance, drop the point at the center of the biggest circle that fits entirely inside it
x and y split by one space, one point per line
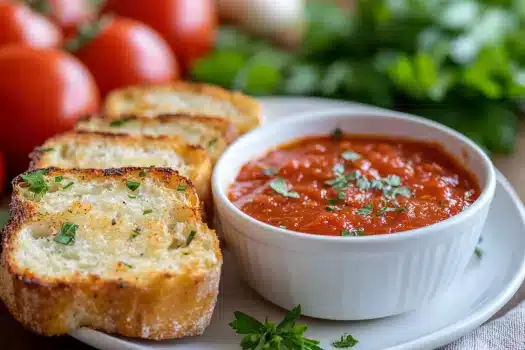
14 336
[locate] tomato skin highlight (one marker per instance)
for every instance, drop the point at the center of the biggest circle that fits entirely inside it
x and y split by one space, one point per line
189 26
127 52
23 26
42 93
68 14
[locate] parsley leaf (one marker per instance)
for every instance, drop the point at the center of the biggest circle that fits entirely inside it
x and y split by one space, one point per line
212 142
329 208
280 186
147 211
270 171
58 178
145 172
351 156
67 233
190 238
181 188
478 252
68 185
346 341
121 121
129 266
389 209
355 232
46 149
337 134
286 335
132 185
136 232
131 196
367 209
341 195
36 182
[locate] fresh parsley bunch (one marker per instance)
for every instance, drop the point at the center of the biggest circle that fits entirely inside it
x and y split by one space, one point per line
459 62
285 336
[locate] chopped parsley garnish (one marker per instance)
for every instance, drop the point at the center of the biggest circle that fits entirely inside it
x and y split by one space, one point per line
478 252
362 183
341 195
212 142
332 201
136 232
36 182
354 232
127 265
280 186
68 185
351 156
121 121
181 188
267 335
329 208
346 341
366 210
46 149
58 178
67 233
385 209
145 172
132 196
147 211
270 171
399 191
190 238
337 134
132 185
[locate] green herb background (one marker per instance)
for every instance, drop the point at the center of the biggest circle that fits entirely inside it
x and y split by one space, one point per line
461 63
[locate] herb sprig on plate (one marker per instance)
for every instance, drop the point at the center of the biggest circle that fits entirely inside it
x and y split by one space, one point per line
286 335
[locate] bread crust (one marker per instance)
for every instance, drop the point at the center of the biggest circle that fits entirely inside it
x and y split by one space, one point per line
195 156
246 105
158 306
224 126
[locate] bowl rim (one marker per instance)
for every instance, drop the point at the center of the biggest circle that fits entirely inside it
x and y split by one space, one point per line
487 191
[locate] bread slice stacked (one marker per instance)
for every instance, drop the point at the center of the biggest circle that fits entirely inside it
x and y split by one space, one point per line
103 151
186 98
213 134
106 228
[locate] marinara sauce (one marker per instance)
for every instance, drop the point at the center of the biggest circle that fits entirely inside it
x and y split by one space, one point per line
352 186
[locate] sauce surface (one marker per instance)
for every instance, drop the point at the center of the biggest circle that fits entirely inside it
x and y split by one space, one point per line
353 186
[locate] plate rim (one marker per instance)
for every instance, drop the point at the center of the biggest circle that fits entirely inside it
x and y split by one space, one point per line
432 340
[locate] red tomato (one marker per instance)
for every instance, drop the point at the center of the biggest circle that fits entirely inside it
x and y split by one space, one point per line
42 92
69 13
21 25
188 25
127 52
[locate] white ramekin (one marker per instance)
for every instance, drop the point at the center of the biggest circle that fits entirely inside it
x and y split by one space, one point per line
351 278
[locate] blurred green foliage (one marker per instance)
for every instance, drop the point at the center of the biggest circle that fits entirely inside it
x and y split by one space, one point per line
459 62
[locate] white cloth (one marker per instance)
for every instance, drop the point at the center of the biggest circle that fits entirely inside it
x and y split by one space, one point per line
504 333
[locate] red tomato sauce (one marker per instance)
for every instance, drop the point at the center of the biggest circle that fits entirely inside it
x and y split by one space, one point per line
354 186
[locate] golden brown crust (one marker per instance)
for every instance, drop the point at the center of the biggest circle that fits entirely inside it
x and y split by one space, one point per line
244 104
163 306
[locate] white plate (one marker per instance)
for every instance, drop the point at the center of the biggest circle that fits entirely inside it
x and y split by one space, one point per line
487 285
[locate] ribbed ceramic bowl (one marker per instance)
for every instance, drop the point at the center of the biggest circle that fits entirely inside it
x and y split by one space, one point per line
351 278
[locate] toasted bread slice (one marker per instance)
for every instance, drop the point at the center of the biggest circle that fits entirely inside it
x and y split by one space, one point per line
91 256
104 151
185 98
211 133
